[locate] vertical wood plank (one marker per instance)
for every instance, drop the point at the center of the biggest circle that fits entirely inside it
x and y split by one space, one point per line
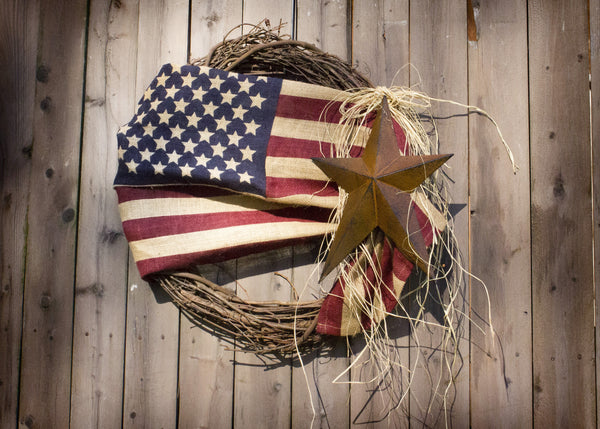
151 360
281 11
52 219
501 360
18 44
380 40
202 355
380 50
101 284
262 389
211 21
563 313
438 52
595 117
318 402
325 25
262 395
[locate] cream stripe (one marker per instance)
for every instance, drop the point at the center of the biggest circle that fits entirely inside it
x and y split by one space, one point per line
139 209
301 89
312 130
201 241
293 168
308 200
435 216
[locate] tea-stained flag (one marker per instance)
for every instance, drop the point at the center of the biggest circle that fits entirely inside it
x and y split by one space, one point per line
215 165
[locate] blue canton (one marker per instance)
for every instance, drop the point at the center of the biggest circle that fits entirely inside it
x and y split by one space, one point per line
200 126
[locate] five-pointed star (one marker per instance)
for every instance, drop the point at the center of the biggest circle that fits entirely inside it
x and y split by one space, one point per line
189 146
218 150
187 80
176 131
379 184
251 127
161 80
238 112
161 143
173 158
245 177
227 97
198 93
193 119
180 105
222 124
205 135
159 168
132 166
216 82
215 173
234 139
257 100
247 153
231 164
163 118
146 154
209 109
122 152
244 86
202 160
186 170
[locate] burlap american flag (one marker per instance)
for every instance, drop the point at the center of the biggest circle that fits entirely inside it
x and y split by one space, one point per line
216 165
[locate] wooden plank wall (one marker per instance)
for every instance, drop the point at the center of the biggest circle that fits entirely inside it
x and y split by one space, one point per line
84 342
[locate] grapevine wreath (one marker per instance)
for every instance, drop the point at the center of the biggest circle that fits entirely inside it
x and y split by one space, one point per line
190 147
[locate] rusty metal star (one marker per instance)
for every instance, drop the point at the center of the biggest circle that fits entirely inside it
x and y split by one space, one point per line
379 184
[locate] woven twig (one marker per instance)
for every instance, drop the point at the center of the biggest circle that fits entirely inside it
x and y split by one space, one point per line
261 327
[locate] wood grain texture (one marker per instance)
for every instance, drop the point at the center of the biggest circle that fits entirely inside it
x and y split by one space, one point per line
380 50
206 366
262 389
281 11
325 24
52 217
202 355
151 361
501 360
211 21
380 40
562 266
595 117
438 52
101 284
320 389
262 395
18 46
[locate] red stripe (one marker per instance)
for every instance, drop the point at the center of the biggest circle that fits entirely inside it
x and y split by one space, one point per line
308 109
278 187
131 193
298 148
140 229
148 267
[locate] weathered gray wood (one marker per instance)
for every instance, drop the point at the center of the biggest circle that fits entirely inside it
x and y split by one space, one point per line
150 398
438 53
380 50
562 267
501 360
320 389
262 389
263 395
380 40
202 355
211 21
325 25
206 367
52 217
595 115
18 45
101 284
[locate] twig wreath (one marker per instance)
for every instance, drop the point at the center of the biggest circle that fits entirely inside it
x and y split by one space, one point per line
178 124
